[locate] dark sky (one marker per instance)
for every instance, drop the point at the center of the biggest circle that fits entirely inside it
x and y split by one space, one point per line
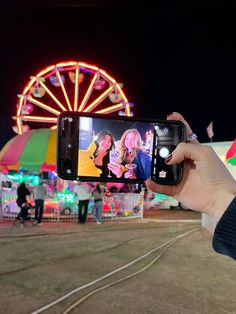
178 57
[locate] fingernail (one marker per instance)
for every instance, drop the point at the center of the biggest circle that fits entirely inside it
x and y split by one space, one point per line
168 158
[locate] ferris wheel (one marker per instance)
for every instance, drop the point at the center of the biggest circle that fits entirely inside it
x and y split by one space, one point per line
68 86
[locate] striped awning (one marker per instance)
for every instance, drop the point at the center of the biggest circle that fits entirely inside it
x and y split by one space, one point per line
34 150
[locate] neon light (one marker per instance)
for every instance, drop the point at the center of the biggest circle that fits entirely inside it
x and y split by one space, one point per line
76 89
64 64
40 104
53 97
110 109
66 196
63 89
108 76
39 119
97 101
88 93
27 87
73 103
127 109
45 70
18 122
121 92
20 105
38 78
89 66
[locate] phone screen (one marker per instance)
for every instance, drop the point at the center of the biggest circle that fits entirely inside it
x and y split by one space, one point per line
120 149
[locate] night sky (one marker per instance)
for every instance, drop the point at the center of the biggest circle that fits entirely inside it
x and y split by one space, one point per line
169 57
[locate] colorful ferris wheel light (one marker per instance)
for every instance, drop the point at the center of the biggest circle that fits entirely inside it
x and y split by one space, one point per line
72 86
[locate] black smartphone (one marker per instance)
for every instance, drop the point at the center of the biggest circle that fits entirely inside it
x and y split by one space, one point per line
95 147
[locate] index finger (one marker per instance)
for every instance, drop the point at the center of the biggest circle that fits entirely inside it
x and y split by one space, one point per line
178 117
195 152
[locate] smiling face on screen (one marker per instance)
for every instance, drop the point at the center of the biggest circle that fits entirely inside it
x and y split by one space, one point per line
105 143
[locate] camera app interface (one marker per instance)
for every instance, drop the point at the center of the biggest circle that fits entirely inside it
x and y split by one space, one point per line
120 149
115 148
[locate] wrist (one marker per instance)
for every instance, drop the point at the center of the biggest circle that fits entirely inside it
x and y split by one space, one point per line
222 203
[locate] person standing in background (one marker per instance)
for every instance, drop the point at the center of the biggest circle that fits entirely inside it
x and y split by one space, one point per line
83 196
39 194
22 194
98 194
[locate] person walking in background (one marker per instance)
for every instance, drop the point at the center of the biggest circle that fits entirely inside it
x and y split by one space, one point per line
39 194
98 194
22 194
83 196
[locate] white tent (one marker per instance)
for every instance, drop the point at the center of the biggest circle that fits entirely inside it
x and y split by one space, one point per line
221 149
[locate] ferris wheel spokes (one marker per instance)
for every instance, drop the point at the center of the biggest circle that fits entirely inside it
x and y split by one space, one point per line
97 101
88 93
76 98
63 89
43 106
52 96
111 109
39 119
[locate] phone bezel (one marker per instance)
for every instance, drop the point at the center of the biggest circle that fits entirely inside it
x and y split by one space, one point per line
75 146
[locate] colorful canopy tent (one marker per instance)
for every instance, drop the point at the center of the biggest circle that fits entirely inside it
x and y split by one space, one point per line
34 151
231 154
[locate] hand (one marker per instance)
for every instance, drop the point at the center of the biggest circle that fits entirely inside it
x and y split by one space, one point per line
207 185
116 168
178 117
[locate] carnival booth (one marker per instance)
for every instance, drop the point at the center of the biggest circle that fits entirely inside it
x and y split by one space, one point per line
27 157
7 197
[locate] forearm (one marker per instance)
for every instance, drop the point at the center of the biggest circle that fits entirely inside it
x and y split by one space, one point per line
224 240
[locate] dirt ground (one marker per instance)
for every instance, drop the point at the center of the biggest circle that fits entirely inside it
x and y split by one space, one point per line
150 265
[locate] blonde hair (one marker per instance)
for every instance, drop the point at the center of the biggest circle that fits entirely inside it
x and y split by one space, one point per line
123 149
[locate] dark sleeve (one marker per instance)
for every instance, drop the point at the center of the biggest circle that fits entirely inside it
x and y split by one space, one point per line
145 163
147 166
224 240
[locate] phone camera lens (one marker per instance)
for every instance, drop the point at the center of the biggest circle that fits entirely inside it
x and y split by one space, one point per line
68 171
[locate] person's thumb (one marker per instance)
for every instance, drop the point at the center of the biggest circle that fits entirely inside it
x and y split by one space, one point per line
160 188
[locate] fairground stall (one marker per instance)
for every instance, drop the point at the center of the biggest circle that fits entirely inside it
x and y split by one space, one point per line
7 197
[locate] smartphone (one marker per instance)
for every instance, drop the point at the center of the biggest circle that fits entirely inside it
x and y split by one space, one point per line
105 148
